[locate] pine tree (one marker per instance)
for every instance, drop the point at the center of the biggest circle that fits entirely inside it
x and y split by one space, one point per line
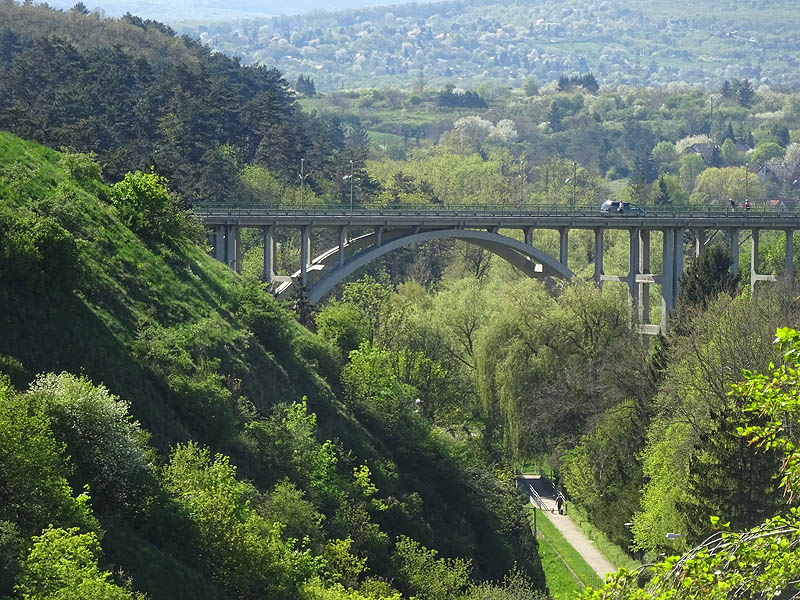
662 195
745 95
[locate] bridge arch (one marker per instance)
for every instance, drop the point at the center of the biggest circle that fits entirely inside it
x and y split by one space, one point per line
527 258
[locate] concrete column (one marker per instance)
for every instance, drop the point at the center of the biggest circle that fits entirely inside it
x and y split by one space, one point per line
305 254
678 264
379 235
269 254
342 239
644 268
667 278
733 248
230 246
237 266
699 241
219 243
598 256
633 266
753 260
788 269
563 254
528 231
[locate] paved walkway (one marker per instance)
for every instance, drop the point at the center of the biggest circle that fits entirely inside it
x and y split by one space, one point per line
571 532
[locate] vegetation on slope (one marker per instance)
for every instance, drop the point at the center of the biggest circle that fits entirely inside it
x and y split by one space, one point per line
190 427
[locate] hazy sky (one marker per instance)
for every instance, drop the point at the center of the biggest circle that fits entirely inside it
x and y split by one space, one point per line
215 10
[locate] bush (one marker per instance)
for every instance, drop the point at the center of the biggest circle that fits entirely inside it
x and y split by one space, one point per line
37 252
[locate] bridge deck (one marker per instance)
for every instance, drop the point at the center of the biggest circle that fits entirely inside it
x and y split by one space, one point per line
578 217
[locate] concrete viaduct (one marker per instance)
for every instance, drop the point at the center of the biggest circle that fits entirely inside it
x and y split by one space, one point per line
389 228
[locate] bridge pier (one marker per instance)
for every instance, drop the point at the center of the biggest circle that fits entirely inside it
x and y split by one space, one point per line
671 236
528 233
598 256
219 243
343 231
233 248
563 252
269 254
305 254
733 248
633 267
644 272
788 265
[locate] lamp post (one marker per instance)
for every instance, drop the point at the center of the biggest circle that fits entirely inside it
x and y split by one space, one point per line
351 187
746 179
302 178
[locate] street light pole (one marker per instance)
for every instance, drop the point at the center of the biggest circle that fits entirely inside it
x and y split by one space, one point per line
302 178
746 179
351 187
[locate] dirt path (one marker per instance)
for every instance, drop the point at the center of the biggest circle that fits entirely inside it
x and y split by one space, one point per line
571 532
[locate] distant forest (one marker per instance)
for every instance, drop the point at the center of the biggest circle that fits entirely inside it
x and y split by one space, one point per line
464 42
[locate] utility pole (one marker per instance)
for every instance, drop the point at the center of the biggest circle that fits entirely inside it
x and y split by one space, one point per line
351 187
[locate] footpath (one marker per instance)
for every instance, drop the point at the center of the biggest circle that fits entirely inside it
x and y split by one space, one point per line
571 532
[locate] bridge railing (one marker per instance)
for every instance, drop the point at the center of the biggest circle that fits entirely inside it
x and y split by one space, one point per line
484 210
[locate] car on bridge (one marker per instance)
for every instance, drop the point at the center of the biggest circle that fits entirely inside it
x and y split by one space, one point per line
626 209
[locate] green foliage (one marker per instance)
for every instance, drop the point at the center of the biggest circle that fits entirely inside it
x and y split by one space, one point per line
62 565
244 551
288 447
599 473
145 205
430 578
761 562
182 356
343 324
37 252
109 448
707 277
33 469
299 517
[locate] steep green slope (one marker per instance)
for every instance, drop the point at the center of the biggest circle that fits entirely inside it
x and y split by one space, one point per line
202 356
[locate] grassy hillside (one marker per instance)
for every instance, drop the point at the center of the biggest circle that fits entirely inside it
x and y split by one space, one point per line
201 356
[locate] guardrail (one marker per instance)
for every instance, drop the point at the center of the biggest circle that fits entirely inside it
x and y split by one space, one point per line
487 210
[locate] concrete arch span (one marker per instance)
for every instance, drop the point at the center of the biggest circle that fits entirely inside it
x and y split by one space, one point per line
363 250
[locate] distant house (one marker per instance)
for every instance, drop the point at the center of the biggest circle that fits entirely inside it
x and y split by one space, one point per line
704 149
786 174
782 203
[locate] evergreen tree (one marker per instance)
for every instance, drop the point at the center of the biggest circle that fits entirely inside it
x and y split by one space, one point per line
708 277
745 94
729 135
729 478
588 82
564 83
662 193
715 160
727 90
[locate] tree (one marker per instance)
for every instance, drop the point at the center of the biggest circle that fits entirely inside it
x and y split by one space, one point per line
62 564
761 562
730 155
765 152
662 197
529 87
691 165
708 277
727 90
745 94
